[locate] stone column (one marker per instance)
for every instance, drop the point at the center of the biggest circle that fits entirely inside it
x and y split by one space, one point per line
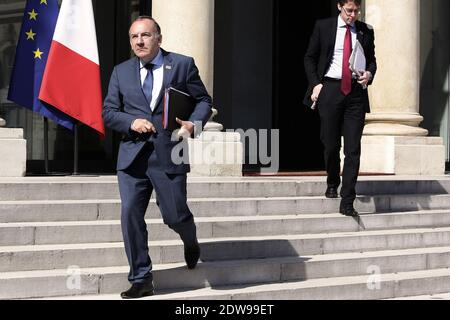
188 28
393 142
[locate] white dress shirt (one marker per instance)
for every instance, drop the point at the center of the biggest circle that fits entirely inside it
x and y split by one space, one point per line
335 70
158 74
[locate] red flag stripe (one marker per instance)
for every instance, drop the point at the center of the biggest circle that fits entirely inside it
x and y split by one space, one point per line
72 84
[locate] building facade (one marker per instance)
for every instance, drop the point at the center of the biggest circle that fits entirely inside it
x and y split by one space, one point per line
250 55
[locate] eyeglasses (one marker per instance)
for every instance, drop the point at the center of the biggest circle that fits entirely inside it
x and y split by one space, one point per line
349 12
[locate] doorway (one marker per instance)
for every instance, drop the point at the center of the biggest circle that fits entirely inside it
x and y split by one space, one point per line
300 145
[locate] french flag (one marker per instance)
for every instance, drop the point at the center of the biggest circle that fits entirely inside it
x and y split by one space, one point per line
71 81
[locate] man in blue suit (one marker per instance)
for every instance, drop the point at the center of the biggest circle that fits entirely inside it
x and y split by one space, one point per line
134 108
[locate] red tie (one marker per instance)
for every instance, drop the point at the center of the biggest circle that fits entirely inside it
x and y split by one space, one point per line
346 83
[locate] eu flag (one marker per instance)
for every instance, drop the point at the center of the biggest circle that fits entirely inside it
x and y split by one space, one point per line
32 51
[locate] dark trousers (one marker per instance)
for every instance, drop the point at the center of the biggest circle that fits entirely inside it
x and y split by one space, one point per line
342 116
136 185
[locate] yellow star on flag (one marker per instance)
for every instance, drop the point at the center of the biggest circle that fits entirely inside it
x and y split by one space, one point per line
38 53
43 1
33 14
30 34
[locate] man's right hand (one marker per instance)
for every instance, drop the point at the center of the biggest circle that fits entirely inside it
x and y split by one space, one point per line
143 126
316 92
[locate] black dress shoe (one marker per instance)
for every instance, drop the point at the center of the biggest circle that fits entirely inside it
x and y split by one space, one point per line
139 290
191 255
331 193
349 211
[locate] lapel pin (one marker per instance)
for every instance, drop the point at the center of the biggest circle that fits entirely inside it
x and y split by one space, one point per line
169 67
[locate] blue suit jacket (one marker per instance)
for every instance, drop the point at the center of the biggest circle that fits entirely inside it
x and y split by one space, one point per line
126 102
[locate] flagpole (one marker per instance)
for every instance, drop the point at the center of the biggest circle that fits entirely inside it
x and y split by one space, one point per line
47 172
46 157
75 150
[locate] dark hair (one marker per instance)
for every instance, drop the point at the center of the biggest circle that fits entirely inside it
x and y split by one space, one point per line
357 2
140 18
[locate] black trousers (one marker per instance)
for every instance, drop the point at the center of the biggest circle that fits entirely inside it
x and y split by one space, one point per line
136 185
342 116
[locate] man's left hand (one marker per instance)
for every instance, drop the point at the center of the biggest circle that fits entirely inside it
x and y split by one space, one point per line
186 130
364 78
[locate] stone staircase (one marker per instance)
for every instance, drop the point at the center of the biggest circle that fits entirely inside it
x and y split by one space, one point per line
261 238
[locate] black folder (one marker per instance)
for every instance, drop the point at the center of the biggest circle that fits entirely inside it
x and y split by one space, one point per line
177 104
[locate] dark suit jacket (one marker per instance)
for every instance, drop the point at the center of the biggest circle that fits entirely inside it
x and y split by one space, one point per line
319 54
126 102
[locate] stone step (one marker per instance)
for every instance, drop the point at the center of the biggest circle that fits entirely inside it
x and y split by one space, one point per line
442 296
376 270
41 233
399 286
105 187
392 286
89 210
47 257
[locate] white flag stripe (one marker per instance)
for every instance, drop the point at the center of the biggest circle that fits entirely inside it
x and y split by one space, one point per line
75 28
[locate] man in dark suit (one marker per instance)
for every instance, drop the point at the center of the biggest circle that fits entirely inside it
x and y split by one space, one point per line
339 95
134 108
